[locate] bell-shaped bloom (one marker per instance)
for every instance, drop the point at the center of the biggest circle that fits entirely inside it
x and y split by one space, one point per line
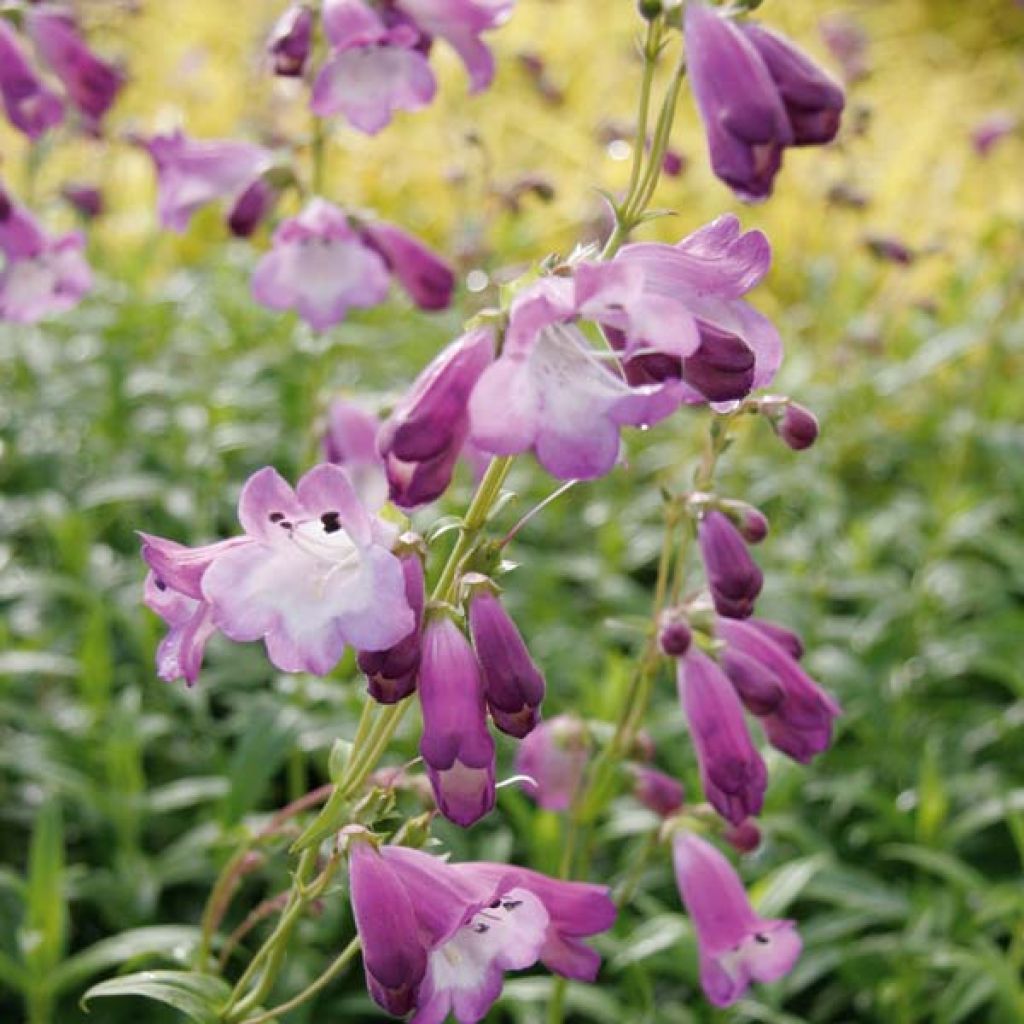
437 937
30 106
456 745
319 573
657 791
422 439
374 70
813 100
350 441
554 757
801 723
320 267
194 172
391 673
731 770
91 83
460 23
43 274
426 278
707 274
190 624
291 40
513 685
736 945
733 576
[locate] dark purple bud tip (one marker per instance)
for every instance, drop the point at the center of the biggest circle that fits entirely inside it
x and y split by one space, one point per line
798 427
722 368
745 837
674 635
751 522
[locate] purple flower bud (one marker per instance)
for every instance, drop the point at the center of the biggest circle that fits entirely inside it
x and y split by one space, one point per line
456 746
744 838
391 674
732 772
813 101
513 685
31 107
735 945
251 208
86 199
422 438
674 635
673 163
797 426
657 791
427 279
290 41
723 367
91 83
751 522
554 756
733 576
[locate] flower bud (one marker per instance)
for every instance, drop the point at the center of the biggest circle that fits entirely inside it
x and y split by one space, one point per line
649 9
513 685
674 635
722 368
426 278
657 791
554 756
251 207
751 522
745 837
733 576
797 426
290 41
86 199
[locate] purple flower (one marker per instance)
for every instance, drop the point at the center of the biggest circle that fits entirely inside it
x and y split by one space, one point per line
426 278
422 439
554 756
733 576
990 131
461 23
674 635
190 625
657 791
456 746
757 94
797 426
317 575
437 938
736 946
291 40
21 235
513 685
350 441
800 724
91 83
707 274
86 199
194 172
320 267
732 772
374 70
391 673
31 107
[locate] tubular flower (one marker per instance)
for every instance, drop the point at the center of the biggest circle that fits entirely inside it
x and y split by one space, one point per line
733 576
513 685
456 745
194 172
732 772
554 757
31 107
757 94
316 573
425 434
437 938
291 40
707 274
736 946
800 722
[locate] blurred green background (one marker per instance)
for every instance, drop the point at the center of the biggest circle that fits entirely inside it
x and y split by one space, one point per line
897 543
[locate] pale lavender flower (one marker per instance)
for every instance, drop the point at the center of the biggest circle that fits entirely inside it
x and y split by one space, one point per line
30 106
91 83
194 172
554 757
426 278
291 40
736 945
513 685
456 745
732 771
350 441
190 625
320 267
318 574
733 576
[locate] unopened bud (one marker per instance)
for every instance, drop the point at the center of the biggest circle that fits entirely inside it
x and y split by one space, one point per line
751 522
745 837
649 9
674 635
657 791
797 426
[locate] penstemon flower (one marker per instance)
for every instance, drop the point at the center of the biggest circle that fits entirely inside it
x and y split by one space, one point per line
30 106
736 946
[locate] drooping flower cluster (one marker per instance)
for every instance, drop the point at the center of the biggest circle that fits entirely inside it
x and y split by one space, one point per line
437 938
89 83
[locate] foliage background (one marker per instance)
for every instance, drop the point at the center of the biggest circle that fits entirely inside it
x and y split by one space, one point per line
897 543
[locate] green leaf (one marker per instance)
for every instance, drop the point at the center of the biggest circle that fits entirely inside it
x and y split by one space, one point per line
43 936
773 894
198 996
